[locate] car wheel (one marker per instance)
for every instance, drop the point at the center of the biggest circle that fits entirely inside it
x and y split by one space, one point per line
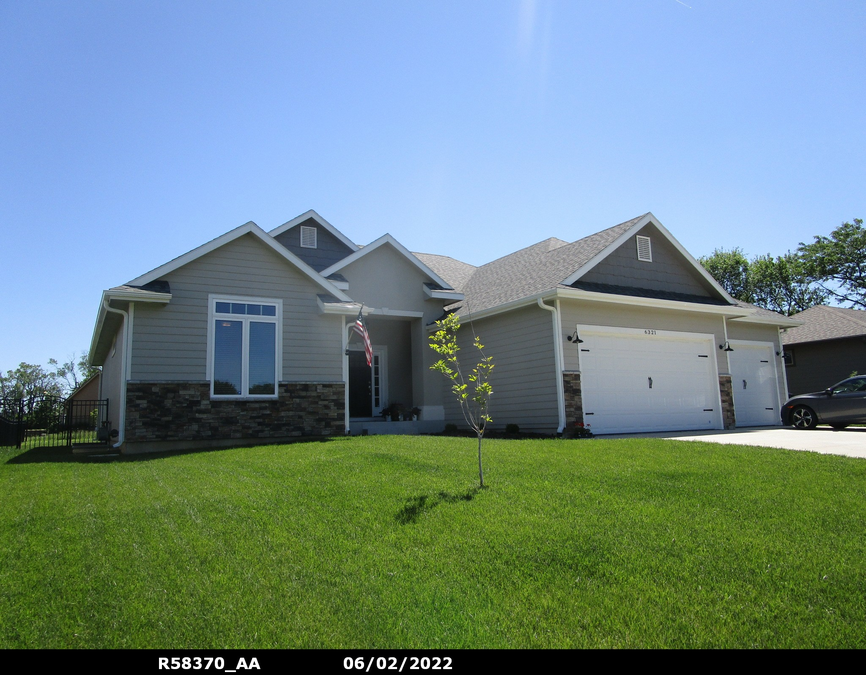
803 417
839 427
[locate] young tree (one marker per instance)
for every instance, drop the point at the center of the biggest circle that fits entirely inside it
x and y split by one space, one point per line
838 263
472 391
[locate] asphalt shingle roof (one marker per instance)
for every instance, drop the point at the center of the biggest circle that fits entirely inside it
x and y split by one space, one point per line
524 273
826 323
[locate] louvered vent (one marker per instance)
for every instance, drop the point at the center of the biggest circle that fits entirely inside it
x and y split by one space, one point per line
644 249
308 237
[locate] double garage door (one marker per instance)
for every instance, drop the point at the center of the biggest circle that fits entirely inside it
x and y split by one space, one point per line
653 380
648 380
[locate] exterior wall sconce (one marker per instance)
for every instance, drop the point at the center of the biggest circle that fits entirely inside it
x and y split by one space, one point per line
726 347
574 338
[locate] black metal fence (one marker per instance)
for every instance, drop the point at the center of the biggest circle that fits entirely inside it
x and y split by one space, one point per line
52 421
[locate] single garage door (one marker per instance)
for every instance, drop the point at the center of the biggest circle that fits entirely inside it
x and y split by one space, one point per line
753 379
648 380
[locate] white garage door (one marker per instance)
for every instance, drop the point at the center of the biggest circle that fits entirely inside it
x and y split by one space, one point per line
753 378
648 380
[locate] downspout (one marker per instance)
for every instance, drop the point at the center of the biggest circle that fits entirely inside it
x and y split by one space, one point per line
558 359
121 423
784 370
345 348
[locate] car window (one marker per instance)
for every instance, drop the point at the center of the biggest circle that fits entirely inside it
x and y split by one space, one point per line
848 386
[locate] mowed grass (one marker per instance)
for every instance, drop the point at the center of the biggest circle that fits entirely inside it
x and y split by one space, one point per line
380 542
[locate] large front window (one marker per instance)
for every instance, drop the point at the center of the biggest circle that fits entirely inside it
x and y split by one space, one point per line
244 347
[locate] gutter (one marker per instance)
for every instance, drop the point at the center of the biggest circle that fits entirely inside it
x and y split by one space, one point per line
558 357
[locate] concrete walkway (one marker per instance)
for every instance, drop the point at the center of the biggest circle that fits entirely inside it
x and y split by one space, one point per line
850 442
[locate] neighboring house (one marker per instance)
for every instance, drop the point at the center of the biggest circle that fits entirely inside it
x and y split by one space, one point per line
248 338
828 346
87 390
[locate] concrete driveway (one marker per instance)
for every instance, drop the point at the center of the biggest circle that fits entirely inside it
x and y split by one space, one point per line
850 442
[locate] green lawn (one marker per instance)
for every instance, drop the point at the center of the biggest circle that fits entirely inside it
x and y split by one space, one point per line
385 542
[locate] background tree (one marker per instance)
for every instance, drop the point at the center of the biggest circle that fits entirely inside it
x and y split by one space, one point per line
29 380
473 391
74 372
837 264
780 284
731 270
58 380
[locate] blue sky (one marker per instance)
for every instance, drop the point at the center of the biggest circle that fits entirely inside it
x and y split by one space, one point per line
136 131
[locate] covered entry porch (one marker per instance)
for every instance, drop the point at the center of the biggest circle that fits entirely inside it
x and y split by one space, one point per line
387 397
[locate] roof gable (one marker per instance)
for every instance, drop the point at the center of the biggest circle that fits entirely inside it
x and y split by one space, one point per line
666 271
247 228
687 265
321 222
388 240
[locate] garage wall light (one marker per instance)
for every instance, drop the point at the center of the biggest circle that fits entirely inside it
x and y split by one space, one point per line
574 338
726 347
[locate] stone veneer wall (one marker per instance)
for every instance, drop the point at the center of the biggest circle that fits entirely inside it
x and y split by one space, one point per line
573 400
726 387
184 411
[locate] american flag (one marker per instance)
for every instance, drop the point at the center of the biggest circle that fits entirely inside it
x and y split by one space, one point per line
361 330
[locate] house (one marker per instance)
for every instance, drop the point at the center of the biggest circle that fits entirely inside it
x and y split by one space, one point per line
828 347
248 338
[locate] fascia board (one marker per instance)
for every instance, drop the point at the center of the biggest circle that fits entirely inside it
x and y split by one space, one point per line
139 296
443 295
619 241
321 221
782 321
577 294
731 311
386 239
404 313
247 228
343 308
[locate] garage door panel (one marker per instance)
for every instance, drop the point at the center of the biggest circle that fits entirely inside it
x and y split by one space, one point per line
753 381
640 382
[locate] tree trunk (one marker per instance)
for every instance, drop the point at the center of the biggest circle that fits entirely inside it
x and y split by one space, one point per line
480 471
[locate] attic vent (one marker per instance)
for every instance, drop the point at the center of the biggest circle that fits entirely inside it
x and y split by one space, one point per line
308 237
644 249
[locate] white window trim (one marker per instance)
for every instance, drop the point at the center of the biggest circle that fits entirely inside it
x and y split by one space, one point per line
212 300
305 229
647 242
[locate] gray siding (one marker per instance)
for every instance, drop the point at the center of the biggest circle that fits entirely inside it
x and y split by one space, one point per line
819 365
111 384
329 249
170 342
524 374
669 271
